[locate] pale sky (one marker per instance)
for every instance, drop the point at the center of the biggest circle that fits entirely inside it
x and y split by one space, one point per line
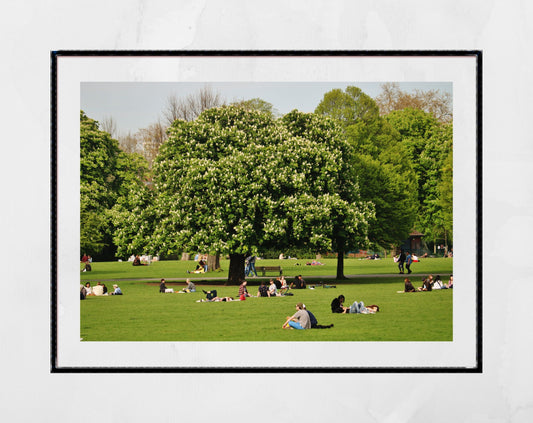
135 105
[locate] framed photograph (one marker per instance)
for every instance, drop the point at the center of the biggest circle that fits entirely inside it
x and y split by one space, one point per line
127 91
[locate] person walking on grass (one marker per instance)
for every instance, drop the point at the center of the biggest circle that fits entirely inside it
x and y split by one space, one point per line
299 320
408 261
251 266
401 261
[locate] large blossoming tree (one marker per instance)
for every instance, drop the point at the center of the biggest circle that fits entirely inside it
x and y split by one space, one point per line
236 181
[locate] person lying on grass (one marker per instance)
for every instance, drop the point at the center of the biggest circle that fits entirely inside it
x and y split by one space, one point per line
212 296
337 306
299 320
359 307
216 299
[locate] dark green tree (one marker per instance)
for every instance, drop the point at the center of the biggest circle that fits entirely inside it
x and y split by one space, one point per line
106 174
428 143
380 162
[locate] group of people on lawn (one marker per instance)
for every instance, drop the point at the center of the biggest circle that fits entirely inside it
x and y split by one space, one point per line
428 284
405 258
277 287
304 319
98 290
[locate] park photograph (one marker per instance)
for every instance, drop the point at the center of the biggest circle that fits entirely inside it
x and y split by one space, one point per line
266 213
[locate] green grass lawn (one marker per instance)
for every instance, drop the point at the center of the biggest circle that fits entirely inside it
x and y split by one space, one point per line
143 314
177 269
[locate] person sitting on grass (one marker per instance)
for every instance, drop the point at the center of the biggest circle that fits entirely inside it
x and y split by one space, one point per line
409 286
98 290
298 283
200 267
299 320
284 287
243 291
437 283
427 284
88 289
137 261
272 289
337 305
449 285
314 322
191 287
263 290
117 290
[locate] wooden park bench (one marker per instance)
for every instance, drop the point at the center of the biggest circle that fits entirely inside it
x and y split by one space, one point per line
264 269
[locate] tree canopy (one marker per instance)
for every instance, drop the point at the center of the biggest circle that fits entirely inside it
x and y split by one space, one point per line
257 104
236 181
429 145
349 106
380 162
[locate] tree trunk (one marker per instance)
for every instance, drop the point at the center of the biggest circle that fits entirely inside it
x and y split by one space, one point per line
340 265
213 262
236 269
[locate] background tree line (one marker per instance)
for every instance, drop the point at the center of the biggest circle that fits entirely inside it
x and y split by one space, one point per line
165 189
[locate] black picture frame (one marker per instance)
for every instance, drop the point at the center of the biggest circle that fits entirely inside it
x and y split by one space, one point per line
61 54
